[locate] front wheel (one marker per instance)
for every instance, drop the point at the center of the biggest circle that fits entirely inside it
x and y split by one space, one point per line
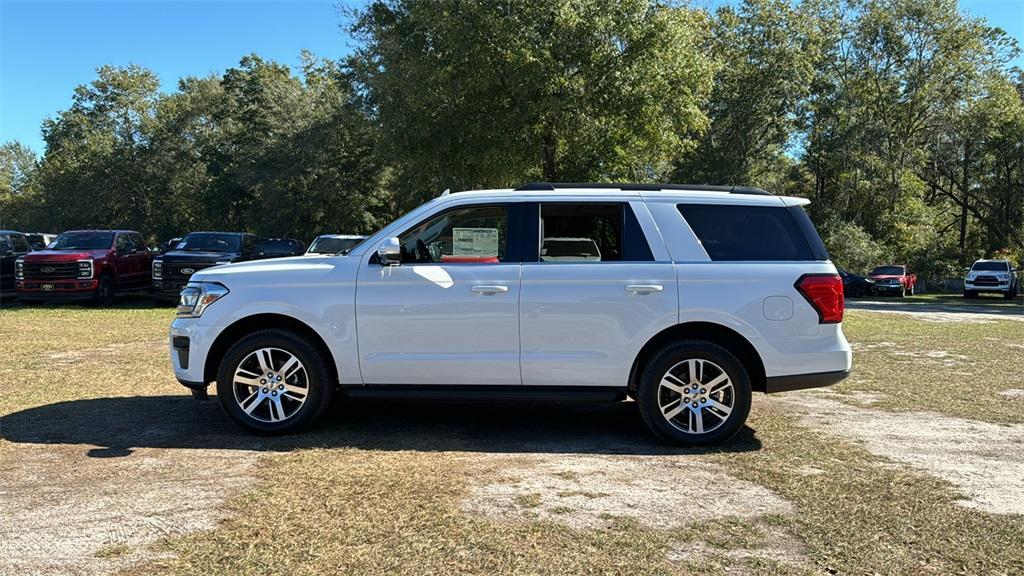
274 382
104 292
694 393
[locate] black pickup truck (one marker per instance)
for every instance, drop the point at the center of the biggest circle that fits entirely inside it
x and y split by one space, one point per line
194 252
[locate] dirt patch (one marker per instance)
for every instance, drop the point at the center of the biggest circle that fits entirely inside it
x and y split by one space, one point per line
103 353
985 460
66 512
587 491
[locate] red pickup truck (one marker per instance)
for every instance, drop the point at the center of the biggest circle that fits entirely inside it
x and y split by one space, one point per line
893 279
85 265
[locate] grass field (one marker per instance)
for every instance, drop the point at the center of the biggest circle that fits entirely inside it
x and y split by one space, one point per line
909 466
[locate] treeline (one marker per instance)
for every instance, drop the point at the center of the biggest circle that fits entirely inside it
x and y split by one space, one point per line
900 119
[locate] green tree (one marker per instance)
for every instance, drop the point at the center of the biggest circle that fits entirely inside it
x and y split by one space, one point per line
768 51
492 93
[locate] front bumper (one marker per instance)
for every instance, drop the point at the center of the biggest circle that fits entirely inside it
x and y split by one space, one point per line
67 289
999 288
776 384
168 290
189 343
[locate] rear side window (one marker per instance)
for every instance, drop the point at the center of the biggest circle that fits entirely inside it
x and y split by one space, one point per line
591 232
753 233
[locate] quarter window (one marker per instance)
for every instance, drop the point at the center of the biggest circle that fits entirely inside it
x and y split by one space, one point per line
747 233
467 235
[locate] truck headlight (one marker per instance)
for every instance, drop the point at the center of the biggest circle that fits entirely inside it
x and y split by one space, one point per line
196 297
19 269
158 269
85 268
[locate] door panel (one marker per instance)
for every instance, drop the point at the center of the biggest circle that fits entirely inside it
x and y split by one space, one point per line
449 314
439 324
582 324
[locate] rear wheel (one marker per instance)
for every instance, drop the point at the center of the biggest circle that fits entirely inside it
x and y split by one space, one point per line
274 382
695 393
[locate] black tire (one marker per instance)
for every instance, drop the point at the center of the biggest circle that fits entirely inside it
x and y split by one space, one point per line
856 291
969 294
320 387
649 392
104 292
1011 294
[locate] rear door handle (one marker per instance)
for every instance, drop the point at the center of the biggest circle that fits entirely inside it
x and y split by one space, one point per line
489 289
644 288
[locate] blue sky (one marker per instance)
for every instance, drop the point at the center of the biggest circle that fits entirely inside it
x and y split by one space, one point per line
47 48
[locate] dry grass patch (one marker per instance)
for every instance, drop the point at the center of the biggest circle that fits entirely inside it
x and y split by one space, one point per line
584 491
958 369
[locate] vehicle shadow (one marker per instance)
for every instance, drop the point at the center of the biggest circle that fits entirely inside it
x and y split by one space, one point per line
118 426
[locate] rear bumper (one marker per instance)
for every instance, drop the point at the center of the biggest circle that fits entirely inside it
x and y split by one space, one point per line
776 384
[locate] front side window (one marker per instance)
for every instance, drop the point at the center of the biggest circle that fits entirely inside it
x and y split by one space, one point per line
84 241
19 243
467 235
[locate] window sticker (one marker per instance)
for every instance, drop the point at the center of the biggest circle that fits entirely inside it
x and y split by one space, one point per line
478 242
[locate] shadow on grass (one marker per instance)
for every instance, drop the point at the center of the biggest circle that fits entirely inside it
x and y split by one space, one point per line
117 426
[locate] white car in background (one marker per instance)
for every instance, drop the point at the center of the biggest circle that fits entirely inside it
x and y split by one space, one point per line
684 298
995 276
334 243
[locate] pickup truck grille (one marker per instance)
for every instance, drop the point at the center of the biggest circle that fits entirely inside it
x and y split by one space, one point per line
50 270
986 281
173 270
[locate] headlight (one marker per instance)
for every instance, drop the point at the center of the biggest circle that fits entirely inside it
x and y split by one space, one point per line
158 269
197 296
19 269
85 268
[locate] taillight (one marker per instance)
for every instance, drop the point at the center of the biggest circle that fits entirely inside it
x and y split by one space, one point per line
824 292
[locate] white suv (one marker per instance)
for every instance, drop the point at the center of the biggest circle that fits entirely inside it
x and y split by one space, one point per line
694 297
996 276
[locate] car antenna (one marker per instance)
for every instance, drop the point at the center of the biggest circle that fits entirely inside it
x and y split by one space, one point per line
446 192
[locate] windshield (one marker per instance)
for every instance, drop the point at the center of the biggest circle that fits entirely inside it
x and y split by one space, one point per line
326 245
209 242
888 271
990 266
83 241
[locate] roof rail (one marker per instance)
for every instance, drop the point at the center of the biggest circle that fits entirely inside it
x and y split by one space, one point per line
640 187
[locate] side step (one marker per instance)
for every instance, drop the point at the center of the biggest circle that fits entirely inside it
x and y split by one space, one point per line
512 393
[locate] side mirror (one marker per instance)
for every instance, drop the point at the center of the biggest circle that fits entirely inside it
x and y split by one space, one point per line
389 252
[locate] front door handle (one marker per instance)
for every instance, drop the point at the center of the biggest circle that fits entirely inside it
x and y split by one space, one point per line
489 289
644 288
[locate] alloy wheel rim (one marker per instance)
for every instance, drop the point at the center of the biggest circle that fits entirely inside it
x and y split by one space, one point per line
270 385
696 396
